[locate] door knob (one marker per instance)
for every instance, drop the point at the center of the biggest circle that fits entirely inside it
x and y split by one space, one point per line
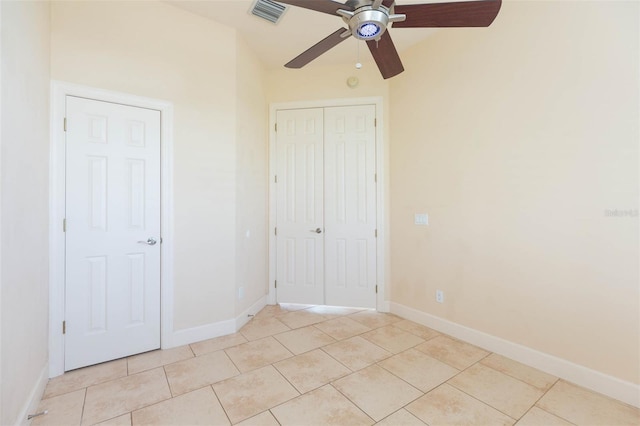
317 230
150 242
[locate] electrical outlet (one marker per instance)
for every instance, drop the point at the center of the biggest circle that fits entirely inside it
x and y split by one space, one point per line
439 296
240 293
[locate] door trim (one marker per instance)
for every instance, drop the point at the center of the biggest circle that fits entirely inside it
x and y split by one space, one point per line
382 206
59 91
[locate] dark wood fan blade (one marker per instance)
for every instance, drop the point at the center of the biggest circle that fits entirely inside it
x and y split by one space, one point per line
388 3
386 56
325 6
317 49
457 14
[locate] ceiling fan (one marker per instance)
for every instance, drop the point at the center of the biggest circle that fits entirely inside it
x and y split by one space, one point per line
369 20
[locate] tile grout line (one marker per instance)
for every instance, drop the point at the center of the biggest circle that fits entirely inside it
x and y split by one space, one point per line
292 355
166 379
84 401
224 410
300 394
290 384
405 409
479 400
517 378
273 415
230 359
367 366
192 351
337 360
535 404
401 379
472 396
454 376
331 382
87 386
155 403
510 376
410 384
349 399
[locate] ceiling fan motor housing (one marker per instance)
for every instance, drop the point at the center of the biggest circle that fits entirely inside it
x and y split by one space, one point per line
367 22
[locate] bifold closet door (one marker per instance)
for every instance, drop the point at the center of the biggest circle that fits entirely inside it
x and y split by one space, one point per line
350 206
326 206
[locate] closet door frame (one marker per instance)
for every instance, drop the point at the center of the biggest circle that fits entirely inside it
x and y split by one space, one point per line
382 188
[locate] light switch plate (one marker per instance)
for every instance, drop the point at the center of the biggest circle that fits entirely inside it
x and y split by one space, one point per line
421 219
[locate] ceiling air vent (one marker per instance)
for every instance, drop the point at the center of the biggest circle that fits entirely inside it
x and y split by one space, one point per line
267 9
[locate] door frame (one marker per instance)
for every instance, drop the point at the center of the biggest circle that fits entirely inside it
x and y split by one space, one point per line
382 204
59 91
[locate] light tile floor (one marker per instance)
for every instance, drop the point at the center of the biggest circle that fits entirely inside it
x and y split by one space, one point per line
315 365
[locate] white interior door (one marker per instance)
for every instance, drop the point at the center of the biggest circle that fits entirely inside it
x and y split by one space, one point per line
350 206
300 222
112 285
326 206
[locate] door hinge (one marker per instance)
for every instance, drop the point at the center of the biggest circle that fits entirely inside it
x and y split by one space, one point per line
276 127
275 179
64 327
375 122
64 124
64 225
376 288
376 233
375 177
275 231
275 284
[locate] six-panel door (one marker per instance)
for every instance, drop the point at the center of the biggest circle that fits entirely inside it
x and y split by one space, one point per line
300 219
112 288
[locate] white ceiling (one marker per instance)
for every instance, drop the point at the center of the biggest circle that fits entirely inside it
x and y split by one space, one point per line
298 30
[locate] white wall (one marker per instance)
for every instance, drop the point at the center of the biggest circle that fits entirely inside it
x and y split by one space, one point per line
24 166
251 184
1 180
516 140
156 50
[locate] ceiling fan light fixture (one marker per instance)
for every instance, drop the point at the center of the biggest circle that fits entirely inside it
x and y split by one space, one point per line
368 24
368 30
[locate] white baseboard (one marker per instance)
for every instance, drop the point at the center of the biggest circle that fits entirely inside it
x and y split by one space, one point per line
203 332
31 404
613 387
217 329
248 313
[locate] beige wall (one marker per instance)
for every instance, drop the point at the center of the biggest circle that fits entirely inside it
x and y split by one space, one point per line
156 50
24 186
324 82
251 184
318 83
515 140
